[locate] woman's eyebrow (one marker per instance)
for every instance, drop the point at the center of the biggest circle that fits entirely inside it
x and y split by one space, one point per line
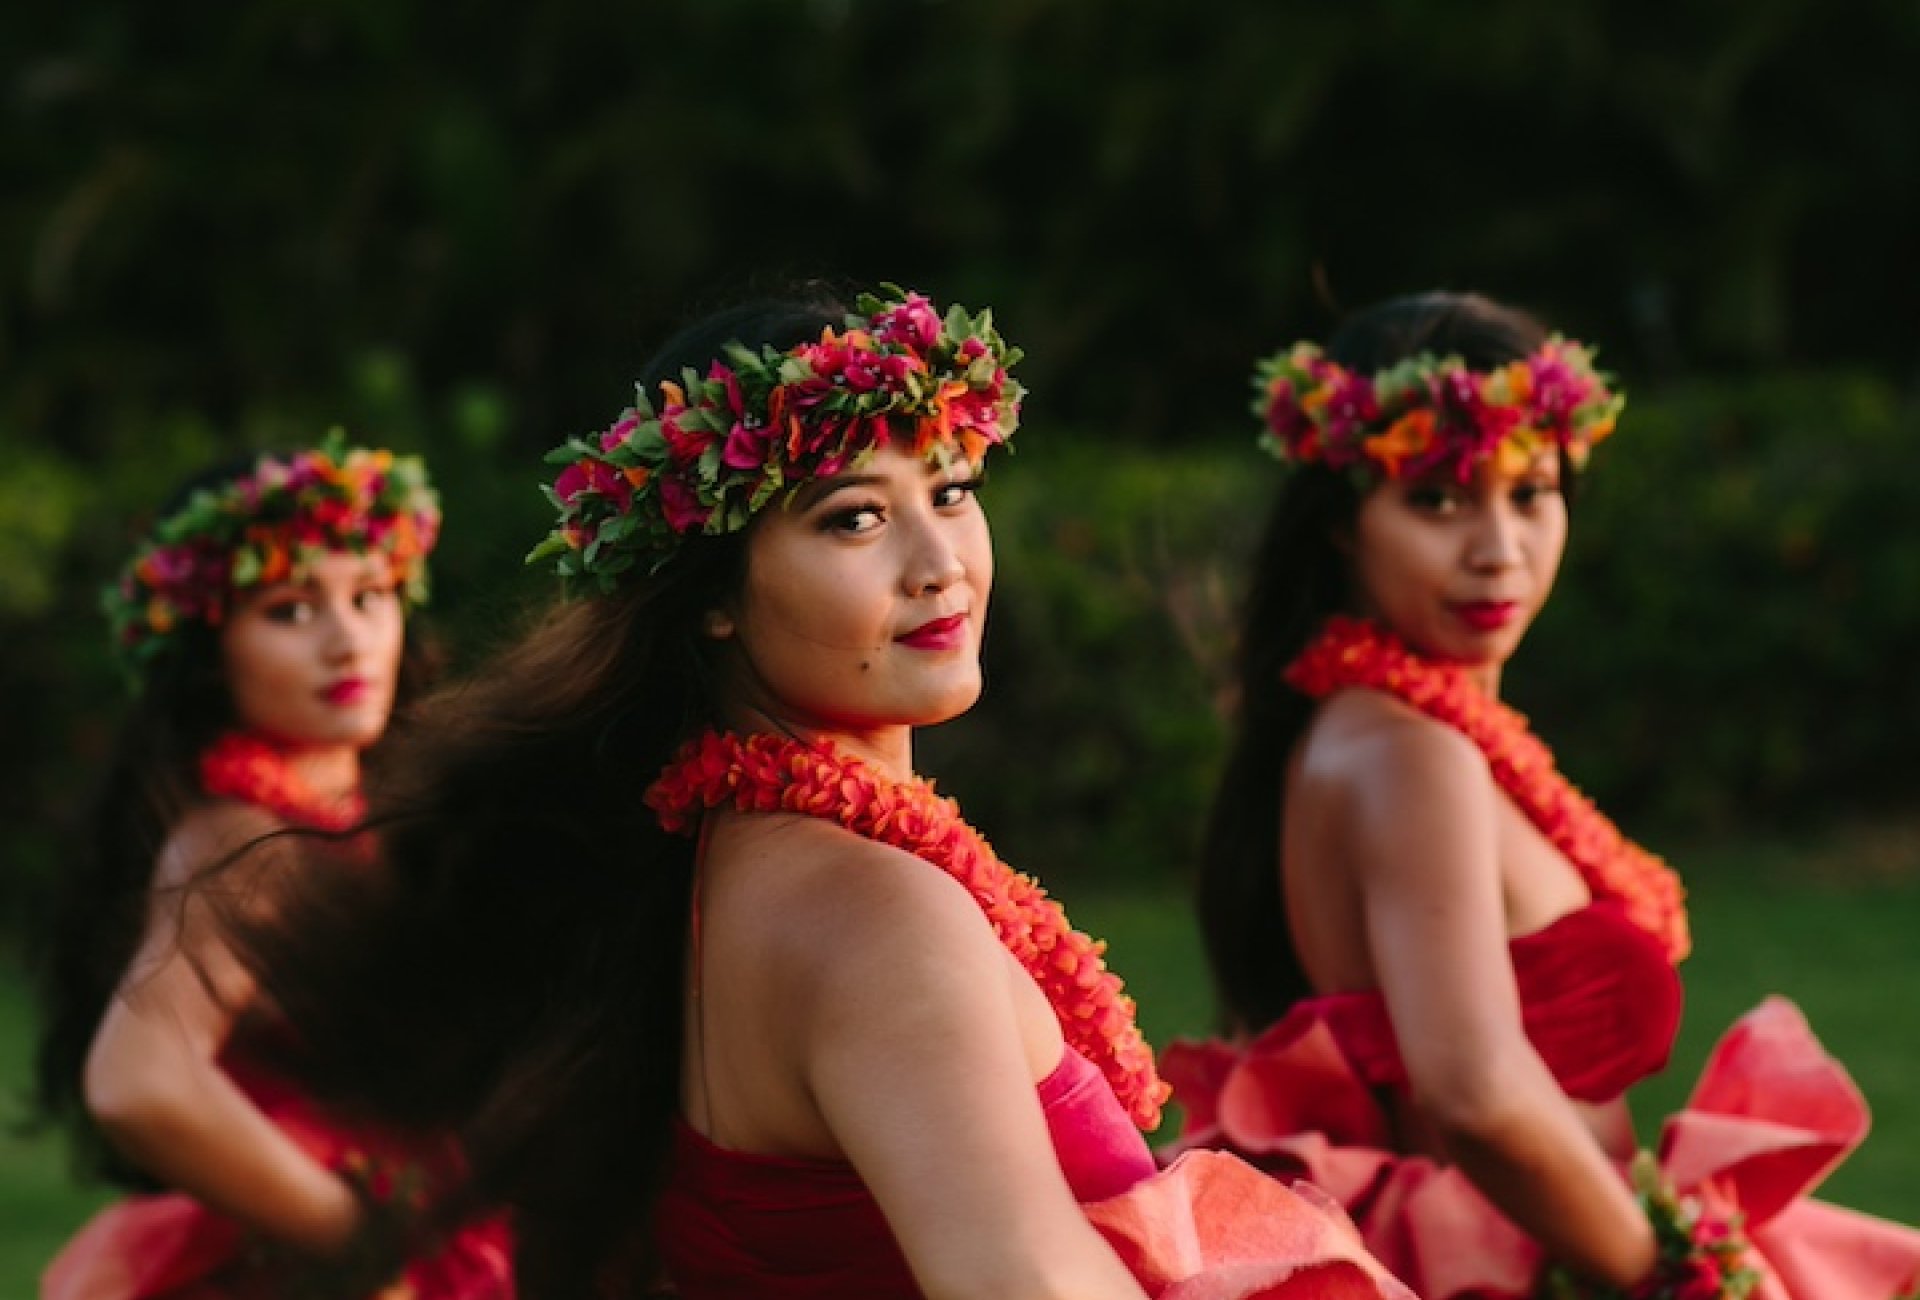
819 490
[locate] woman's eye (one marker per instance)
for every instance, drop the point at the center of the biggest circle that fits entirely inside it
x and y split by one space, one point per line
1528 495
372 597
289 611
1432 498
854 520
954 494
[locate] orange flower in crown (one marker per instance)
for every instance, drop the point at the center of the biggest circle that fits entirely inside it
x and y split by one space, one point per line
1431 414
266 526
716 449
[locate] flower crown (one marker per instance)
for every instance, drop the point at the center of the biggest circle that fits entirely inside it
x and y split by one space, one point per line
268 525
1428 413
720 447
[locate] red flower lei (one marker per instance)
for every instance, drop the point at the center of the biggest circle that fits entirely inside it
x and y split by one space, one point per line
244 767
766 773
1350 652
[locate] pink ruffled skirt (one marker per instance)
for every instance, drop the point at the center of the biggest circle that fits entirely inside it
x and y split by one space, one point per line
1771 1116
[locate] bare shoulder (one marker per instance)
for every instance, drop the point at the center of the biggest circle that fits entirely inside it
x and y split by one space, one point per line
1365 748
822 903
208 837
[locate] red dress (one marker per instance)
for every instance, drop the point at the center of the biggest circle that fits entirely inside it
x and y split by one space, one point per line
732 1224
1772 1114
170 1246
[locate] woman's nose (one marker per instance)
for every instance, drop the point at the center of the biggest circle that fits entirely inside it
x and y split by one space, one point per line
1495 542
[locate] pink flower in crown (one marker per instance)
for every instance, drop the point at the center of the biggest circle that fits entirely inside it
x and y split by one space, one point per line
746 446
378 530
571 482
851 361
596 476
303 474
1285 419
913 323
1350 406
686 441
976 411
426 532
1557 387
168 566
681 506
971 349
1472 428
622 429
747 439
330 517
791 406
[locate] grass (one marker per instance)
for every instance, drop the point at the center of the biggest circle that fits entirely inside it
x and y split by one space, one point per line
40 1205
1766 920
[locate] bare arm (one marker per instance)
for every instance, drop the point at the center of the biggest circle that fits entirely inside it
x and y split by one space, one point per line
151 1079
1416 814
914 1049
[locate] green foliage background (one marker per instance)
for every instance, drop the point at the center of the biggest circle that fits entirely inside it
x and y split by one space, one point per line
456 231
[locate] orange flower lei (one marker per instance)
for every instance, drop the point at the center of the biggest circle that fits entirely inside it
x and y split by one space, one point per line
767 774
1350 652
244 767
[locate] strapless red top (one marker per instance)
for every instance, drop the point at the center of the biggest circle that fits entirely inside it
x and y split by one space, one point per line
1598 998
731 1223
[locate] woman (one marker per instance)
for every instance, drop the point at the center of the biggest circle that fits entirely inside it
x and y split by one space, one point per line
711 984
1449 965
263 625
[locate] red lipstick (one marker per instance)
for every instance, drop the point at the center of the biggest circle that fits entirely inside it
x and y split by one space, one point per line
348 690
949 633
1487 615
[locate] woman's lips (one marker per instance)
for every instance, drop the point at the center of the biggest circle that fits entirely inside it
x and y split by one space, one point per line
1487 615
348 690
947 633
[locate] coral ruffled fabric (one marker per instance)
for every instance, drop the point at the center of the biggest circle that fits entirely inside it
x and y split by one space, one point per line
171 1247
1211 1227
1772 1115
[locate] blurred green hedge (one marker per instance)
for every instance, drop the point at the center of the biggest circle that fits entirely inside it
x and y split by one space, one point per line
1731 645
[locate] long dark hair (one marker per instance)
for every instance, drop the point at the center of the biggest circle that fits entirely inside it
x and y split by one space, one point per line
1299 578
99 904
512 972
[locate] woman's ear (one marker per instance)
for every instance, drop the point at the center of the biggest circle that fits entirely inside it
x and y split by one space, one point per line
718 625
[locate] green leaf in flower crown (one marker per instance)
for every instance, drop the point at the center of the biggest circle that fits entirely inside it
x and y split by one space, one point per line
648 443
771 481
551 544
